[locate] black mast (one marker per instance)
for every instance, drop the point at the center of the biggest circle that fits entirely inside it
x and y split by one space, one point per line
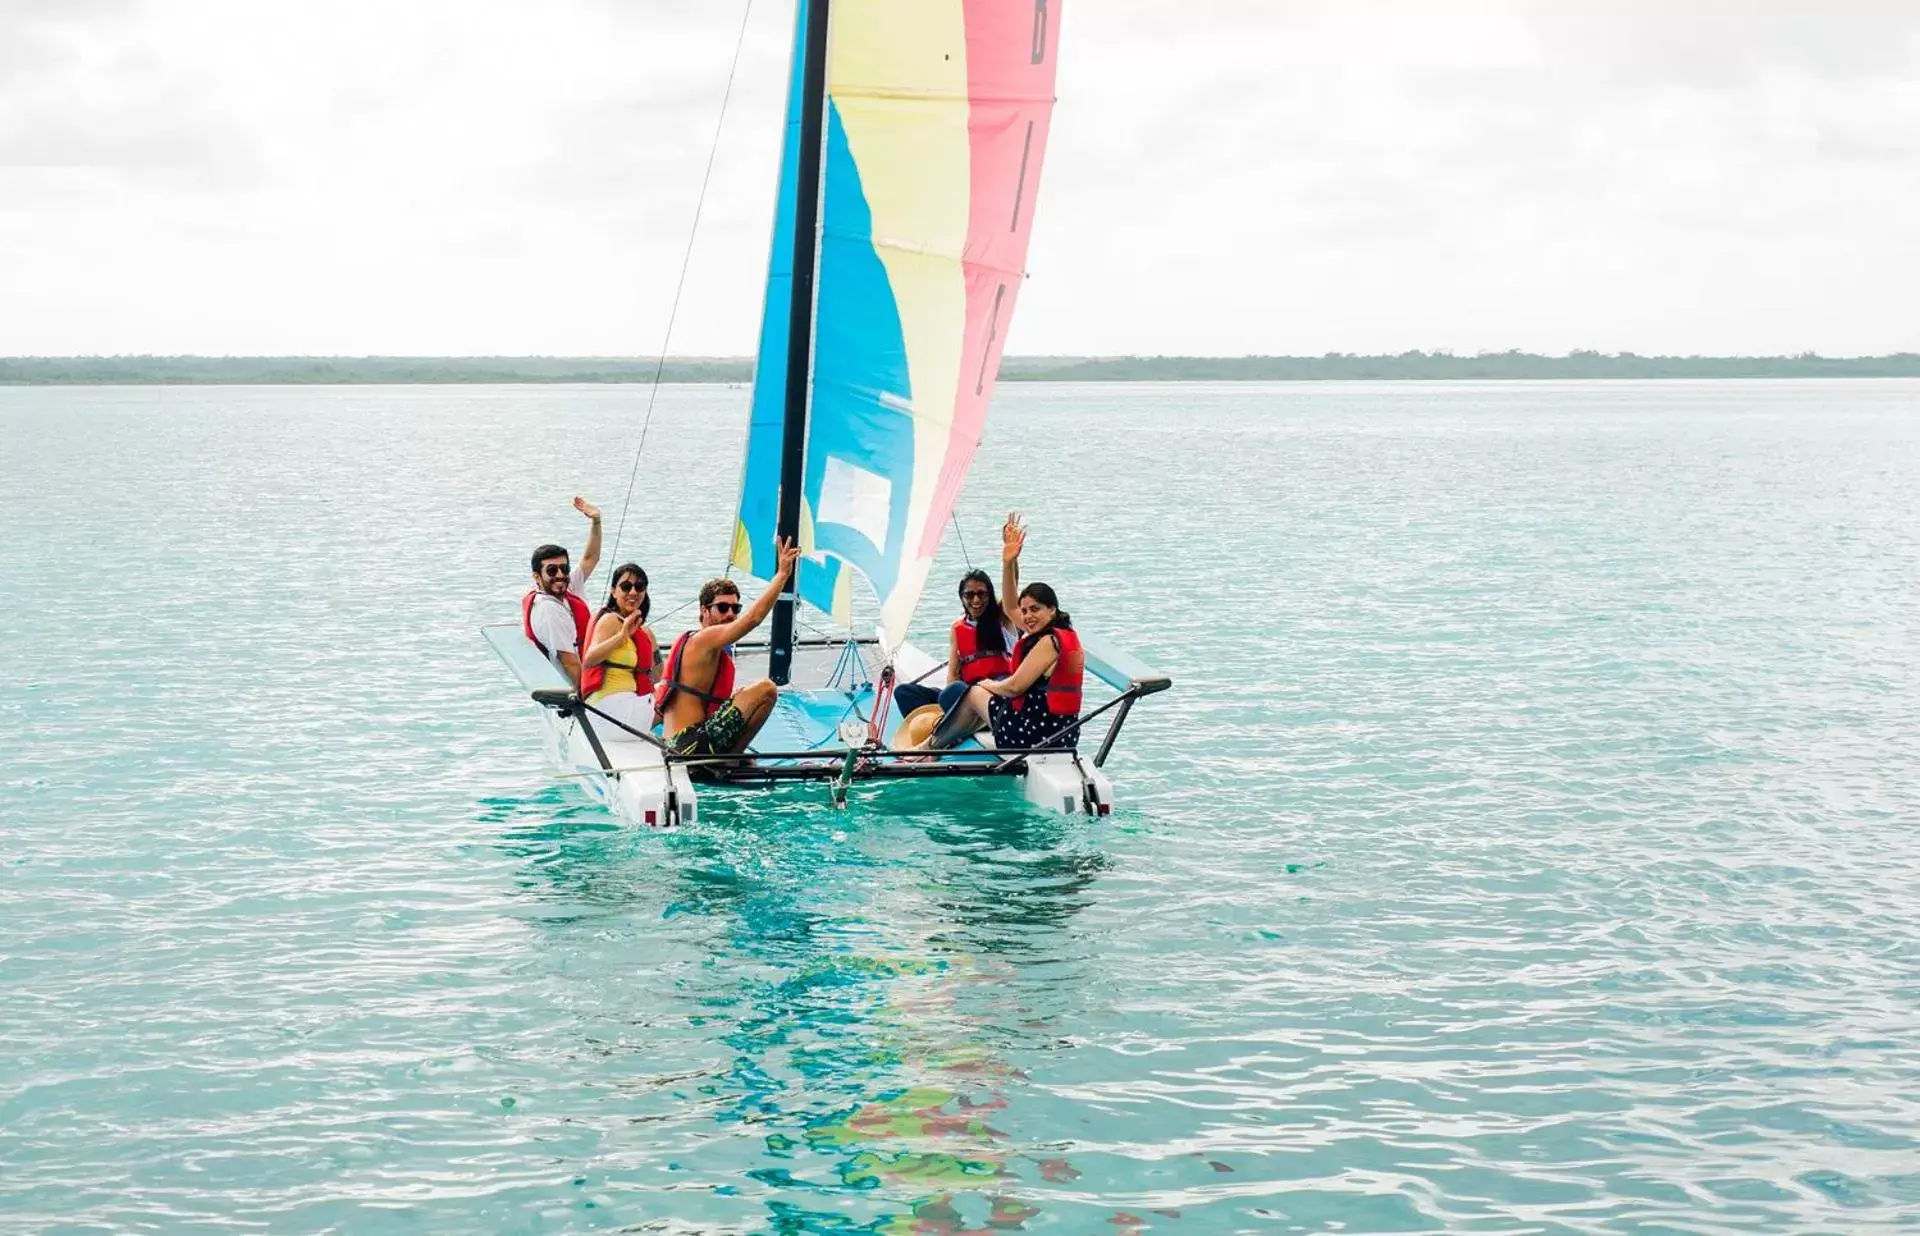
806 229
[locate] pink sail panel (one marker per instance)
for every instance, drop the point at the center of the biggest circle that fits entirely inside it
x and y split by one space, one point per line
1010 85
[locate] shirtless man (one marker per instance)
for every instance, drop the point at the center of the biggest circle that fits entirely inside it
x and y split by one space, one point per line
700 712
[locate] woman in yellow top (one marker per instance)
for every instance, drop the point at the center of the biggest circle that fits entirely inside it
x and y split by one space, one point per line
622 655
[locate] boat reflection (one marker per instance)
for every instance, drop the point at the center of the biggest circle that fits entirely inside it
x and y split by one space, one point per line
870 993
913 1008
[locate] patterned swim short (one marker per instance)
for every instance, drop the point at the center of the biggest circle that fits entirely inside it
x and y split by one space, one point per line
719 734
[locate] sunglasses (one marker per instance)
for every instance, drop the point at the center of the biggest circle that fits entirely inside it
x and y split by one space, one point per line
974 594
555 570
725 607
629 585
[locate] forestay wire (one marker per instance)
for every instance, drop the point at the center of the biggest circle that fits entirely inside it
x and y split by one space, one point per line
679 287
954 515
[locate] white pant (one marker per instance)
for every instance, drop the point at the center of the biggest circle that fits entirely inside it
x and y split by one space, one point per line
627 707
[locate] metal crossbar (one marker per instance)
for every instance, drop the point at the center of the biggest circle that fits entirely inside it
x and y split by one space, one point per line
851 763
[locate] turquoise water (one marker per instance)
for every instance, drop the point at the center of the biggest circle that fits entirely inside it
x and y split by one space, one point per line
1528 844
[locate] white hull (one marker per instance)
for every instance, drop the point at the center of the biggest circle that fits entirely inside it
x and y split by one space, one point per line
815 734
643 790
646 792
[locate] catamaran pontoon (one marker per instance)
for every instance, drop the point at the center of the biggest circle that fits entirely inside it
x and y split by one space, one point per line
914 136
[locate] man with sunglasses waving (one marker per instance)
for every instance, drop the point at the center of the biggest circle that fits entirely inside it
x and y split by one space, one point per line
554 614
700 712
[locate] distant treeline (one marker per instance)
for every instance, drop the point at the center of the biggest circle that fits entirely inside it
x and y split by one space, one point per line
1441 366
1334 366
369 370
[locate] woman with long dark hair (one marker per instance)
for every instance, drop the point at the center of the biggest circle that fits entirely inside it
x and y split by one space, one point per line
1036 705
622 654
979 647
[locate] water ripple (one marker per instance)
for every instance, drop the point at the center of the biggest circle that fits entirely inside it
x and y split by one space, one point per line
1527 845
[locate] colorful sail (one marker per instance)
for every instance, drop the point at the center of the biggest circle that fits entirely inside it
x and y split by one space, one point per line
937 114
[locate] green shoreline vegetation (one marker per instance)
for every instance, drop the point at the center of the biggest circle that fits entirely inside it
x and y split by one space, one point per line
1334 366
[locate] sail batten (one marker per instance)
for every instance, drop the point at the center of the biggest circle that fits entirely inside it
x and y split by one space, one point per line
933 96
954 255
936 117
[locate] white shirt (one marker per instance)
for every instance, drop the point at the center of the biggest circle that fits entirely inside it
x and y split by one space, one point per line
552 620
1008 635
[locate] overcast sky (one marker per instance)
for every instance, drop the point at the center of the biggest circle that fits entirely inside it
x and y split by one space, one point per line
1225 176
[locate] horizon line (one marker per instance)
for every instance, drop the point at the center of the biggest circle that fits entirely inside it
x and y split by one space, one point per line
1416 366
1047 357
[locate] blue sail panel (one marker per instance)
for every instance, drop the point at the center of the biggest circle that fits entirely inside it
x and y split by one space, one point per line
860 429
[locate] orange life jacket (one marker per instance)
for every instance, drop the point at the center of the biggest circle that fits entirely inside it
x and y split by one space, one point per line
670 685
1062 683
593 677
975 665
582 616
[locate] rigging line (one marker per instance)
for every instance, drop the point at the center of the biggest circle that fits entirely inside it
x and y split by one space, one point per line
676 609
954 516
686 261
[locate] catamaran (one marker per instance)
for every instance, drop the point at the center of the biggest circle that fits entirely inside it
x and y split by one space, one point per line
915 131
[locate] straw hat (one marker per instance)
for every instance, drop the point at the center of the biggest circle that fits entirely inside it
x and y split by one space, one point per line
917 726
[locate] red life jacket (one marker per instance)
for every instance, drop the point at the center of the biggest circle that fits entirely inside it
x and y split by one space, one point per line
582 616
1062 683
975 665
593 677
670 685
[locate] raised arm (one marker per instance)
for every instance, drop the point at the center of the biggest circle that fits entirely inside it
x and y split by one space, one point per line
590 556
1013 538
741 627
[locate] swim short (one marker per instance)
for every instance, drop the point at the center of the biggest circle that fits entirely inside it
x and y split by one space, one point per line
719 734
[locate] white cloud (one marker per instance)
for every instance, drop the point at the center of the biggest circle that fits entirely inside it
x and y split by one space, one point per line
456 176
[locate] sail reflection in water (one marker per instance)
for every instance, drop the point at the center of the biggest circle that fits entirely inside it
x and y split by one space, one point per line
897 1030
860 1005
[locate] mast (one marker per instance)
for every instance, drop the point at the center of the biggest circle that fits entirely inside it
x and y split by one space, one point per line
806 244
